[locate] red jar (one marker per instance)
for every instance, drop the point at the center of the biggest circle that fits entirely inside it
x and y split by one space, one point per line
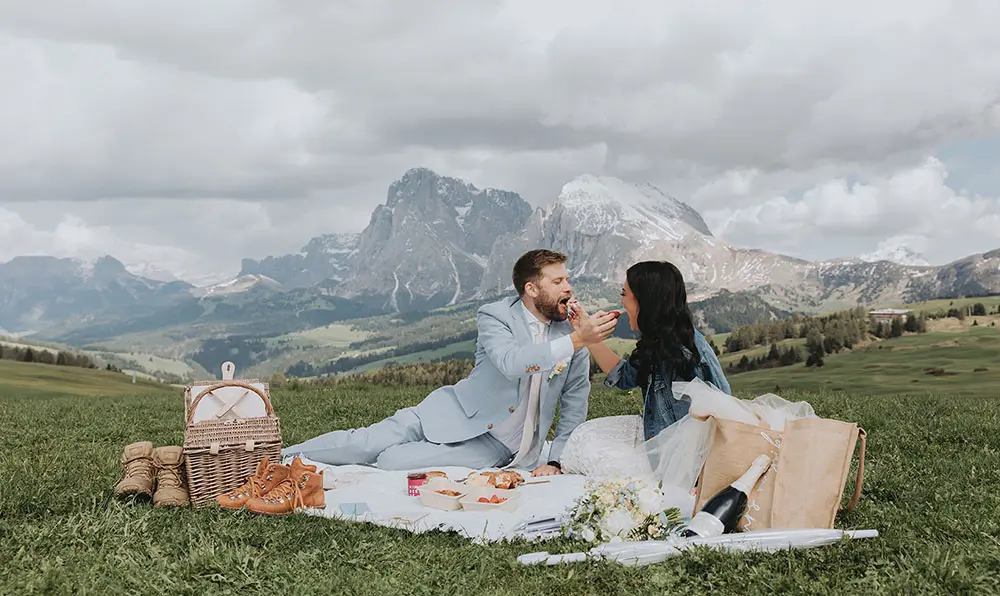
414 481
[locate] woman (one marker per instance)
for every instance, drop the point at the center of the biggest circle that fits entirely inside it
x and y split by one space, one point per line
669 348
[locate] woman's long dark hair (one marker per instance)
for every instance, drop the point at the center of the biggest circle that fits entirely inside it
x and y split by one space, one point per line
666 326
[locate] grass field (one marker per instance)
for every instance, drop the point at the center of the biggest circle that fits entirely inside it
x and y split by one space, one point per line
930 490
24 379
727 358
959 361
990 302
336 335
149 365
425 356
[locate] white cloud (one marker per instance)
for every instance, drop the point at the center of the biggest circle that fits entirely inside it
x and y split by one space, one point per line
73 237
307 111
913 206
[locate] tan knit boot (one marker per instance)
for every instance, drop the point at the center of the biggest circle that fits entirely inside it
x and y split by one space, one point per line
171 490
138 473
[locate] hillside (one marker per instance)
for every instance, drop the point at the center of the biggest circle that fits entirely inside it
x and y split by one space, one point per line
34 379
953 357
146 364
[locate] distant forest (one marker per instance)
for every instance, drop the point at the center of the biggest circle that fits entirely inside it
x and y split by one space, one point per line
45 356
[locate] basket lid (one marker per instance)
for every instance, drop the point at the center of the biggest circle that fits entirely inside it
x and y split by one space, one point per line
228 399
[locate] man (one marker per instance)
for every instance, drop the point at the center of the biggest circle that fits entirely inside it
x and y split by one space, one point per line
528 360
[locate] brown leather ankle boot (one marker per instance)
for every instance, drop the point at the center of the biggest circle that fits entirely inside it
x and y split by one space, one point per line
268 476
138 472
303 489
171 489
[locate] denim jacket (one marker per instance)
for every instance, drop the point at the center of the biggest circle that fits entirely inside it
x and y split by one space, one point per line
660 408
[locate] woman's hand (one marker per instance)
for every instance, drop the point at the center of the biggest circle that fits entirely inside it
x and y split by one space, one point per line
575 313
592 329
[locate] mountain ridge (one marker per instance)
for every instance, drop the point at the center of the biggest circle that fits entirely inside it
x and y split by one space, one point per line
438 241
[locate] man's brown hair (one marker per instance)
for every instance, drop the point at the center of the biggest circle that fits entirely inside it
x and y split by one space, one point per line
529 266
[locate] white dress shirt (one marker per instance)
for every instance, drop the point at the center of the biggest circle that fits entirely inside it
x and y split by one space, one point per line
511 431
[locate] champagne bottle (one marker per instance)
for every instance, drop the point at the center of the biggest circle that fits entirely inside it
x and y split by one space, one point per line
722 512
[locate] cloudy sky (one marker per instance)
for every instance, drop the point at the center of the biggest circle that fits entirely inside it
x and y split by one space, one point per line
190 134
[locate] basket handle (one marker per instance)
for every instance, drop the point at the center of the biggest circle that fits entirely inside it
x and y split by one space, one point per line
211 388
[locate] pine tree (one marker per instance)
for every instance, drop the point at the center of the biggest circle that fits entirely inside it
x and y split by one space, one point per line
815 349
897 327
833 337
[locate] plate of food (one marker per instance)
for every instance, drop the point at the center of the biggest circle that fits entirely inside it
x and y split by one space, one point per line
502 479
487 498
441 493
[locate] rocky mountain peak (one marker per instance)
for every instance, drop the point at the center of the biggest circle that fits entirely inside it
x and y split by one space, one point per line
425 246
108 266
40 291
423 186
428 244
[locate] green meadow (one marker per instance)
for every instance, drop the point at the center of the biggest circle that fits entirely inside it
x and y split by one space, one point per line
929 489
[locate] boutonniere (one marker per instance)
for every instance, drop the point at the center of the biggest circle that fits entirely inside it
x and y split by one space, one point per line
559 368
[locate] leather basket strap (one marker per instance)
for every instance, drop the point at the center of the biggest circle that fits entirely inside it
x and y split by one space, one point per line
861 470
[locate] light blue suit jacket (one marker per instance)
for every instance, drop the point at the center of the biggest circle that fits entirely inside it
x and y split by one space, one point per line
506 358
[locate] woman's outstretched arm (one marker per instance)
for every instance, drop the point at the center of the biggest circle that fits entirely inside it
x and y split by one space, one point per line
604 356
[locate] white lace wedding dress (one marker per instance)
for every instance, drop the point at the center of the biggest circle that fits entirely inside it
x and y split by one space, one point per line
606 447
613 447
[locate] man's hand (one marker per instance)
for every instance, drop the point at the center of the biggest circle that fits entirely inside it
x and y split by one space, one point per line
545 470
593 329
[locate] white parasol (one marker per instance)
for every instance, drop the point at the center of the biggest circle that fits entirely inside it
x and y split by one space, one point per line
655 551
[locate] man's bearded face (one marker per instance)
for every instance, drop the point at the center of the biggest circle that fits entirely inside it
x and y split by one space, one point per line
554 291
553 306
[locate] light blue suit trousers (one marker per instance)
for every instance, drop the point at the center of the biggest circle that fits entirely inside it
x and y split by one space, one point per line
398 443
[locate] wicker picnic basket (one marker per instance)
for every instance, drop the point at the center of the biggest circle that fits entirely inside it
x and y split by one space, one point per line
230 428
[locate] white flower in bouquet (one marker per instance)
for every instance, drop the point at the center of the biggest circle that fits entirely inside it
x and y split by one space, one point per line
650 501
618 522
606 498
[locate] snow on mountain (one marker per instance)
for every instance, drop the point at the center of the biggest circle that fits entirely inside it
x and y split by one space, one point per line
201 280
236 285
896 250
605 224
336 245
84 266
603 201
150 271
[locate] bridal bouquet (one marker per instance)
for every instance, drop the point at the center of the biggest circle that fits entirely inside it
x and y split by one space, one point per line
628 509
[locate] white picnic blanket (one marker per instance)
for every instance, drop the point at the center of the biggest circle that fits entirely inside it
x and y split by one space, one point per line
385 495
